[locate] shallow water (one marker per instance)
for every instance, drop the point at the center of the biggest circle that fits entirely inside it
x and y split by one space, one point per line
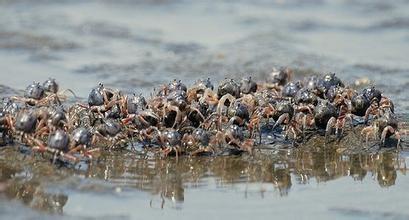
137 45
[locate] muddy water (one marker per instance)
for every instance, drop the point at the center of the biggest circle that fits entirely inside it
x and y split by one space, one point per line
136 45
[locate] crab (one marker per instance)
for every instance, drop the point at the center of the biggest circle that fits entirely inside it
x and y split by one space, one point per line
133 104
110 131
25 124
232 136
173 108
267 111
198 140
344 114
383 127
81 141
279 77
285 115
197 91
35 95
102 99
323 112
360 103
327 81
51 87
247 86
50 118
172 86
239 113
220 115
262 106
228 86
196 114
170 141
142 119
305 101
290 89
58 144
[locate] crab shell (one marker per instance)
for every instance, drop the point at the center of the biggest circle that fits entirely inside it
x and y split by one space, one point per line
26 122
50 85
360 104
59 140
247 86
323 112
82 136
34 91
228 86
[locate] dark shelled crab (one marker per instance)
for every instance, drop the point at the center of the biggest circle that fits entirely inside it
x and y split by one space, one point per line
142 119
170 141
110 132
233 136
102 99
50 118
133 104
196 114
285 115
174 85
262 112
35 95
197 142
177 85
284 111
228 86
48 93
174 107
327 81
305 101
378 107
323 112
247 86
344 114
290 89
81 141
360 104
279 77
45 119
58 144
239 114
262 106
25 124
218 117
383 127
51 87
197 91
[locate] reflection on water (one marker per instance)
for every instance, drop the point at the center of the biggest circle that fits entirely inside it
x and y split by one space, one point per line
168 180
17 183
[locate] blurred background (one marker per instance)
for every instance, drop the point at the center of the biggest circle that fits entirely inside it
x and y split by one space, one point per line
137 45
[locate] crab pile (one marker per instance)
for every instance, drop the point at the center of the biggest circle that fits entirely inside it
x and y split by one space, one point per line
200 120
